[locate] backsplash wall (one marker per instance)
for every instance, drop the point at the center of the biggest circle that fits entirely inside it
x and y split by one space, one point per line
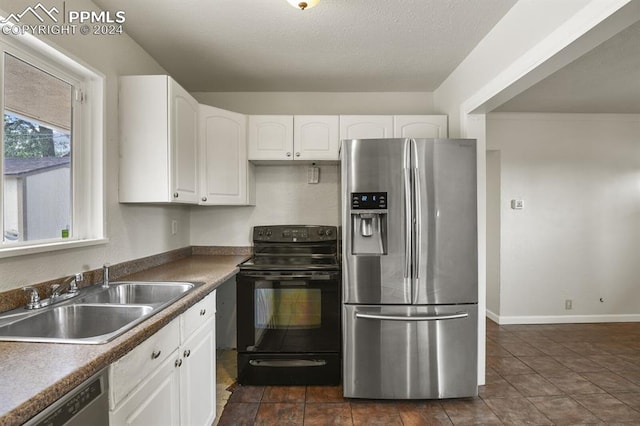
283 196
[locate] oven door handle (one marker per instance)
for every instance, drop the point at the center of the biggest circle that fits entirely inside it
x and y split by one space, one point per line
273 277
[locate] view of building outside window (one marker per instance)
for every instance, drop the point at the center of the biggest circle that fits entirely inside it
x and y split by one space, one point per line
37 197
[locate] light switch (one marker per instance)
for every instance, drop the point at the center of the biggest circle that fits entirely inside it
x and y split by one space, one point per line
517 204
313 174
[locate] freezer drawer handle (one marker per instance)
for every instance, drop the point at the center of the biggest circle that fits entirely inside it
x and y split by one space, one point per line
457 315
288 363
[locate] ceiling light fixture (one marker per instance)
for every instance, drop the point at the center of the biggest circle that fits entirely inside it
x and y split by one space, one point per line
302 5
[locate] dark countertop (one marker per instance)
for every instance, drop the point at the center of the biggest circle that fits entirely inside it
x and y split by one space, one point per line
34 375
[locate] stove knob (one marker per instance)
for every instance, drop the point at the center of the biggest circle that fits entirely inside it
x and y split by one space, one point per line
268 233
328 232
260 233
321 232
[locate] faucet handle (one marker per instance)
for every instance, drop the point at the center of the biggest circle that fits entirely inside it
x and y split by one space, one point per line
34 299
55 291
73 285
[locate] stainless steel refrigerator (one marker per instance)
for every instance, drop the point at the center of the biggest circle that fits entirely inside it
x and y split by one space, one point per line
410 268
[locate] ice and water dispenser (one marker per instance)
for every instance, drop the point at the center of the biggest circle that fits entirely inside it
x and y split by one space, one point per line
369 223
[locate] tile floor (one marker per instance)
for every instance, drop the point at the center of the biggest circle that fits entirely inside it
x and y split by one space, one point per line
560 374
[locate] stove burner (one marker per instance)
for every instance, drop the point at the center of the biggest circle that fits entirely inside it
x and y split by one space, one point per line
293 247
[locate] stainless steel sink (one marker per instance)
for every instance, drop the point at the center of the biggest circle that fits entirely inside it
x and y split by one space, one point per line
145 293
81 323
97 315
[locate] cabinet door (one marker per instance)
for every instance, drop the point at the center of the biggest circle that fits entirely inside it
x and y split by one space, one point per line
270 137
144 150
133 368
198 377
223 157
366 126
183 123
316 137
155 401
420 126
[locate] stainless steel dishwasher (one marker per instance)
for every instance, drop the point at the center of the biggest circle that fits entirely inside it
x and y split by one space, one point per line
87 404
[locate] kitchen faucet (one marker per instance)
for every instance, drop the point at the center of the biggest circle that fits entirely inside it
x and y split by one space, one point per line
105 275
71 283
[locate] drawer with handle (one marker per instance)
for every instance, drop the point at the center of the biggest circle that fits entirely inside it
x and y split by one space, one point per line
129 371
197 315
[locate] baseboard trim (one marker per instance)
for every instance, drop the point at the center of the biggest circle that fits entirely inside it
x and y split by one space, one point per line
561 319
493 317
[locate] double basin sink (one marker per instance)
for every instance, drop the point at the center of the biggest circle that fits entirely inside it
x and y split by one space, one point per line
96 315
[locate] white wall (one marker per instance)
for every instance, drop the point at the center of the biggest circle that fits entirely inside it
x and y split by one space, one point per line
283 196
578 236
533 40
320 103
133 231
493 233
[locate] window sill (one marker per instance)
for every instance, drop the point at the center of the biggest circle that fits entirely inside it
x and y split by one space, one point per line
49 247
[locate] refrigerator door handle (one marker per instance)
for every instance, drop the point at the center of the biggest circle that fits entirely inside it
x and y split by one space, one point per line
417 234
408 217
457 315
408 213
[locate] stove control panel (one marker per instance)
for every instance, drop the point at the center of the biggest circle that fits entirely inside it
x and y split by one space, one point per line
295 233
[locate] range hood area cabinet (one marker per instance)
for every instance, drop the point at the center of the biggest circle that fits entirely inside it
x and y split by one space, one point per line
294 137
158 141
393 126
226 177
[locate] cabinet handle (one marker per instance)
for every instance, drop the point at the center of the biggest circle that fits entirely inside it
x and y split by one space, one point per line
202 312
288 154
204 198
297 154
187 353
155 354
175 195
178 362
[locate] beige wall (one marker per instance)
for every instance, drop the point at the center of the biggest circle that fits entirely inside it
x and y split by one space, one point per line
493 232
133 231
283 196
578 236
320 103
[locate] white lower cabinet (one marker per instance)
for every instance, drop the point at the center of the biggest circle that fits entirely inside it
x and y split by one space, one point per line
169 379
154 402
198 377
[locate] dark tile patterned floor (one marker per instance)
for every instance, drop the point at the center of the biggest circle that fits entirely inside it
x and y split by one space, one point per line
560 374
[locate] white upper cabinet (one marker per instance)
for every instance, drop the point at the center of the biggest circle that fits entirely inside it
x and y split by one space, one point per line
316 137
420 126
158 141
270 137
226 177
299 137
366 126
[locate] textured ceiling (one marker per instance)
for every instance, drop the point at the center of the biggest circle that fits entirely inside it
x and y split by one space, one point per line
605 80
338 46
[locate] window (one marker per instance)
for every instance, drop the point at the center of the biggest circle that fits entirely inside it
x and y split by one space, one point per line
51 191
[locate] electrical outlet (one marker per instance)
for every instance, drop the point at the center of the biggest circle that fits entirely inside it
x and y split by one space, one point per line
568 304
174 227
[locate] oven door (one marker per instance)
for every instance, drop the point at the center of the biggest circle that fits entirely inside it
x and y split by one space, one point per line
289 312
